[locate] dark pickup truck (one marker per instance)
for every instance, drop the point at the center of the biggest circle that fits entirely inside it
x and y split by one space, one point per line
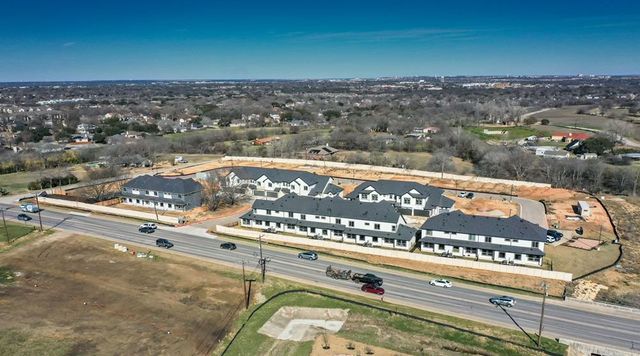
367 278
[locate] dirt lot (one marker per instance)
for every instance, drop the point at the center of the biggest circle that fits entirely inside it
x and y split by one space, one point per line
486 207
343 347
82 293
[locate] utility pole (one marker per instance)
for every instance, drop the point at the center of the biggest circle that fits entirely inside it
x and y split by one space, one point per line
244 282
263 261
6 230
38 206
544 299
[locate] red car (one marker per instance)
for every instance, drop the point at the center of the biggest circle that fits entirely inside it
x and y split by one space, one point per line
370 288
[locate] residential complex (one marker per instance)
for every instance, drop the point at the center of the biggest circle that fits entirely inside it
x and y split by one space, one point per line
411 198
272 183
333 218
162 193
485 238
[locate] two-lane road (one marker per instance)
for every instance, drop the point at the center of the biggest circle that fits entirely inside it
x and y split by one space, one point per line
612 329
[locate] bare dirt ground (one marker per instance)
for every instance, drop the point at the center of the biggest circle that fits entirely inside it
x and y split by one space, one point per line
81 291
486 207
339 346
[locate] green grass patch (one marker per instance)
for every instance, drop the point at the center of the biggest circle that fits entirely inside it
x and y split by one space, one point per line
15 230
6 275
380 328
578 261
509 132
16 342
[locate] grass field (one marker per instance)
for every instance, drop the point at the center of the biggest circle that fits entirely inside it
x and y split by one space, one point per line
580 262
16 231
567 116
378 328
16 183
511 132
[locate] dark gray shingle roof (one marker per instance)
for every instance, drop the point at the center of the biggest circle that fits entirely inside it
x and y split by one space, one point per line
512 227
399 188
161 184
347 209
281 175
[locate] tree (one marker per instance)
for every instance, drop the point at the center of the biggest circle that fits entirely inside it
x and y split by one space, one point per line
212 192
441 162
101 190
598 145
544 122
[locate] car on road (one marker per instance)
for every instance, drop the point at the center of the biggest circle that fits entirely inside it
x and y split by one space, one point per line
441 283
372 288
24 217
308 255
164 243
503 301
150 225
367 278
228 246
146 229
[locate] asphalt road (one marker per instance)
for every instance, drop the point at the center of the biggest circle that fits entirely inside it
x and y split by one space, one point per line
609 328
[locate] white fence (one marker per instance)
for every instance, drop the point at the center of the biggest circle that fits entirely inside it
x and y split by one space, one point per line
418 257
413 172
109 210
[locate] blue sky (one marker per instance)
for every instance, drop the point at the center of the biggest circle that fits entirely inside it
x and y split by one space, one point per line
102 40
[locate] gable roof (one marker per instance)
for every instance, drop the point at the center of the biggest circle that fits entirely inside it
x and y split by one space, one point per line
280 175
161 184
512 227
399 188
335 206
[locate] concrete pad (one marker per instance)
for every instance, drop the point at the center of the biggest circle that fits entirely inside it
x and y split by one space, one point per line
303 324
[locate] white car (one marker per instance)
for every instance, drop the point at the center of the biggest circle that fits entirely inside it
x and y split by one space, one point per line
149 225
441 283
462 194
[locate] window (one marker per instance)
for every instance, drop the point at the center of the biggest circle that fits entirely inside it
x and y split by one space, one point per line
268 212
258 222
317 216
376 226
130 200
427 245
146 192
364 195
366 224
513 240
388 241
393 228
155 193
324 232
374 197
303 217
290 214
487 252
456 249
535 244
312 230
302 228
361 238
351 224
305 188
518 256
246 221
406 200
266 223
418 201
440 247
428 232
401 243
472 237
487 239
374 239
137 201
501 255
270 185
337 233
162 205
338 221
351 236
169 205
534 258
291 226
278 225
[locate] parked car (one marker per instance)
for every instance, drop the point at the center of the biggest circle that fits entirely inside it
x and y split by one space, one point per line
503 301
308 255
469 195
164 243
270 230
228 246
462 194
371 288
555 234
24 217
149 225
441 283
146 229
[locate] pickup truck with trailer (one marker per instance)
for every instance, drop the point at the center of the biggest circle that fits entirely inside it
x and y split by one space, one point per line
29 208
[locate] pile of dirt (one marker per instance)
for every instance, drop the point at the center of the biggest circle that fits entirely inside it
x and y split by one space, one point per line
587 290
303 324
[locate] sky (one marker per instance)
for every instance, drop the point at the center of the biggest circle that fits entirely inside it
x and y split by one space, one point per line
139 39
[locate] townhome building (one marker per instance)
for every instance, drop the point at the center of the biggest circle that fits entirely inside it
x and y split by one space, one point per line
333 218
512 240
162 193
271 183
411 198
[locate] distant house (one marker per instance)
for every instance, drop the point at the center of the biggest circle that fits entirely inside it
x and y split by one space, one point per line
585 156
274 183
162 193
411 198
556 154
321 152
86 128
569 136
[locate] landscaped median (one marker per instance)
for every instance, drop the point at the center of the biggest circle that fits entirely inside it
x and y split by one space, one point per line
501 275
